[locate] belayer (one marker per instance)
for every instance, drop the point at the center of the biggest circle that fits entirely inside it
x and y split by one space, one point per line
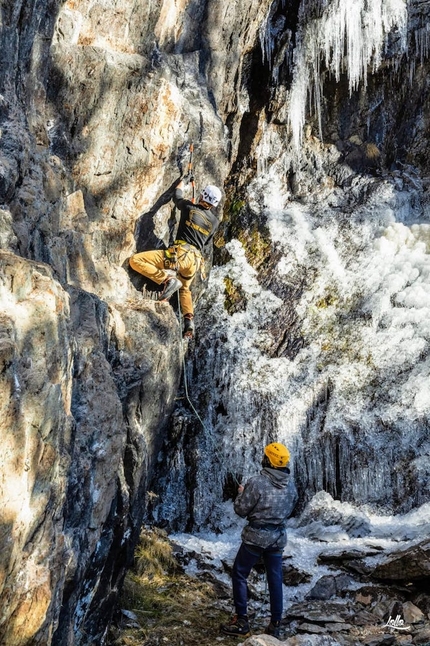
266 501
196 228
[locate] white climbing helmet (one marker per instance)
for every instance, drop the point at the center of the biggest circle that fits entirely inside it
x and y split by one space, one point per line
212 195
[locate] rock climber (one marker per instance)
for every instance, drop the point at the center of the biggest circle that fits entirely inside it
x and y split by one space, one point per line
266 500
196 228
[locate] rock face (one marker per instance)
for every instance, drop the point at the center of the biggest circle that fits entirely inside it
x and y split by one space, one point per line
412 565
81 426
99 103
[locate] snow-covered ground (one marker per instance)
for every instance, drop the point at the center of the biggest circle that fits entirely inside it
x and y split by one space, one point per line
373 533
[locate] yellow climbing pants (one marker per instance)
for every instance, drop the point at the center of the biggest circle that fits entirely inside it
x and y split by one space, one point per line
152 265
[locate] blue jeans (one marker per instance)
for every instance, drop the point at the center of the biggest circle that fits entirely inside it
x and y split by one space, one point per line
246 558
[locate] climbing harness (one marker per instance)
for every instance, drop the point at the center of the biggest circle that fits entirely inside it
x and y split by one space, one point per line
199 260
171 258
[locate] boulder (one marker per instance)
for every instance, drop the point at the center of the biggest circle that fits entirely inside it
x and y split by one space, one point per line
409 564
422 636
412 614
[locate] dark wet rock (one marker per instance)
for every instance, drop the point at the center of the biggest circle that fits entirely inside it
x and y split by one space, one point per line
369 595
325 588
411 564
292 576
422 601
336 628
330 586
345 556
379 640
321 612
422 636
365 618
307 627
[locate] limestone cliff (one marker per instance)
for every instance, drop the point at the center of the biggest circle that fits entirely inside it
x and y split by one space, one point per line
82 419
99 102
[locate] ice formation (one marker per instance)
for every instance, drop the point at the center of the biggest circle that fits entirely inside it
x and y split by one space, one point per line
346 38
354 403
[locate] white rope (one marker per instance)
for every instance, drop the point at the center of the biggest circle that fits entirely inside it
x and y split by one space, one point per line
187 396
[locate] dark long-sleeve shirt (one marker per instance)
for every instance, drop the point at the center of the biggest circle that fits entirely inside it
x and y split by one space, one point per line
196 225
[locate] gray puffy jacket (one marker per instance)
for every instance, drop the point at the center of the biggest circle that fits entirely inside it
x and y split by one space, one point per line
266 502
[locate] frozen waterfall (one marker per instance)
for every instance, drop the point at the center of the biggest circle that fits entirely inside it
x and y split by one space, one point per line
346 388
353 404
336 37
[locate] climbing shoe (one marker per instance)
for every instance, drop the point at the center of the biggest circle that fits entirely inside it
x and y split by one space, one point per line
171 286
273 628
188 326
238 626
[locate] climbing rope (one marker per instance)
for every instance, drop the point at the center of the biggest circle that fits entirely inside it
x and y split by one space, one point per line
184 367
265 596
187 396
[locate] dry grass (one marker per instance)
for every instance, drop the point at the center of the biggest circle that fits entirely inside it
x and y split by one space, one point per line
153 554
170 606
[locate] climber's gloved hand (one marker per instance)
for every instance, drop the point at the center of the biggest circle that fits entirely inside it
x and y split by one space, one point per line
189 177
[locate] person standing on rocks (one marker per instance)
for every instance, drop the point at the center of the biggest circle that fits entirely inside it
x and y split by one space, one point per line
196 228
266 501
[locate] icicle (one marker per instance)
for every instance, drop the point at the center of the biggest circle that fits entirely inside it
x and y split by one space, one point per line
270 32
422 39
349 37
266 41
